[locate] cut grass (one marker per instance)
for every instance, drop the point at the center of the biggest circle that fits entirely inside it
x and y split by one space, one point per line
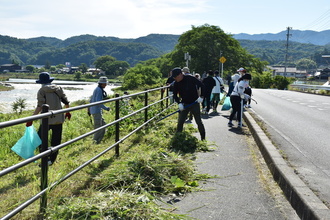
151 164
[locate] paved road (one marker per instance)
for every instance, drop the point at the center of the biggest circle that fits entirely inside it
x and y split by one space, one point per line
299 124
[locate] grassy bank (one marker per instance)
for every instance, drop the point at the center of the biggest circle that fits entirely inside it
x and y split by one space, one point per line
152 164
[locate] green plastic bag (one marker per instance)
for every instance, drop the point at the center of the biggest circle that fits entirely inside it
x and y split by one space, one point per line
226 104
26 145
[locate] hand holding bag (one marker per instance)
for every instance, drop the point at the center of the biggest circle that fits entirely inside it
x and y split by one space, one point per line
26 145
227 104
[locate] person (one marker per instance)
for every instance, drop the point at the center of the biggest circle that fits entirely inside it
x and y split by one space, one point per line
217 89
209 83
187 86
186 71
169 82
99 94
51 95
248 91
235 77
198 76
235 98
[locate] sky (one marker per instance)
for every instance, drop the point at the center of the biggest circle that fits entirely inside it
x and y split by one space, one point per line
137 18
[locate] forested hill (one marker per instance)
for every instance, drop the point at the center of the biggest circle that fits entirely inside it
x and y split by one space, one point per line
309 37
86 48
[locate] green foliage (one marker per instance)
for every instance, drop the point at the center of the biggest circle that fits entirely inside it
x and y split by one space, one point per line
274 51
112 205
184 142
19 105
77 75
111 66
281 82
141 75
204 44
306 64
30 68
266 81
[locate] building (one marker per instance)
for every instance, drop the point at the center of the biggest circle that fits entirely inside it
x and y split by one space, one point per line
288 72
10 68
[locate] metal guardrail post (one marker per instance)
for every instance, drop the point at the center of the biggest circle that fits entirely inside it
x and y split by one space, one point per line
162 91
145 105
44 161
117 125
167 93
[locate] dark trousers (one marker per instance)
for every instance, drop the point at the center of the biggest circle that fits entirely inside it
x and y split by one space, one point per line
55 140
207 102
236 105
195 111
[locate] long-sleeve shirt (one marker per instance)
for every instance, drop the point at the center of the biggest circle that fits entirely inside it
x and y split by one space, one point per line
52 95
187 89
98 95
239 88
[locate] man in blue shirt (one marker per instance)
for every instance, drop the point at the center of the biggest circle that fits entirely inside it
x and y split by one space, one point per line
98 95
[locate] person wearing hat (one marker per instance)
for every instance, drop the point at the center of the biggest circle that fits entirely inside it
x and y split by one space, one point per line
186 71
99 94
188 88
235 98
51 95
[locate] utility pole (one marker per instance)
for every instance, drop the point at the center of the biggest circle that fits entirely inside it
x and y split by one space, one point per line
220 62
187 58
287 48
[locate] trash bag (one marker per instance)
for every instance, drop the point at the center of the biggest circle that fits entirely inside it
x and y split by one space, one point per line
26 145
226 104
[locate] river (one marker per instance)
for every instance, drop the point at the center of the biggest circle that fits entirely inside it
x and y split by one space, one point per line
27 89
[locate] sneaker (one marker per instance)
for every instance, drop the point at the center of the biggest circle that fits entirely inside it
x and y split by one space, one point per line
230 124
249 106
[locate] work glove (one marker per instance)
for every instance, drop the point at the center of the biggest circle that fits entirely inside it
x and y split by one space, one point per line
181 107
29 123
68 116
200 100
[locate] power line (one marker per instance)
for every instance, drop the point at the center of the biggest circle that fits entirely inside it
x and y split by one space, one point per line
325 17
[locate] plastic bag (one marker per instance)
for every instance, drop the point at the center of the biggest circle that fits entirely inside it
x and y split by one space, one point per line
226 104
26 145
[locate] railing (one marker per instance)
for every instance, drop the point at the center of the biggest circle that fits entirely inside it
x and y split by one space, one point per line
46 151
304 87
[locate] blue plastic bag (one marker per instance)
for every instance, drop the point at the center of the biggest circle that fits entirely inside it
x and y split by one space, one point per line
26 145
226 104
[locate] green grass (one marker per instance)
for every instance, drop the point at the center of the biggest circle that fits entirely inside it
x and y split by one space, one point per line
152 163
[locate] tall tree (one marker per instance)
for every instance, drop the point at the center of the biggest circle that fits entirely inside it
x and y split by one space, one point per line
206 44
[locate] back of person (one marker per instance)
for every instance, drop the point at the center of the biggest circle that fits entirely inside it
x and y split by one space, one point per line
50 94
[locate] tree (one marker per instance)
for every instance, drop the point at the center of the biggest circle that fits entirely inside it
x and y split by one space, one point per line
30 68
205 43
306 64
111 66
83 67
141 75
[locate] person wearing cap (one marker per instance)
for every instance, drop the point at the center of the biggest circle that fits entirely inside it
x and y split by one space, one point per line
236 97
186 71
188 87
99 94
51 95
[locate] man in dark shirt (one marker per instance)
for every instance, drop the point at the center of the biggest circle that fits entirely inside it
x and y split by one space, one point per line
188 89
209 83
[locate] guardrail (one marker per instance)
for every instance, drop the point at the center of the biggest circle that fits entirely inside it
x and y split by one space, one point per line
304 87
46 151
